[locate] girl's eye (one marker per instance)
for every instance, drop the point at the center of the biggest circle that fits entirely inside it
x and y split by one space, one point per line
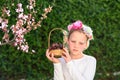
73 41
81 43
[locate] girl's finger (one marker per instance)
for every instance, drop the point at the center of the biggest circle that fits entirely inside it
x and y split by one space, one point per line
47 52
48 55
65 53
66 50
52 55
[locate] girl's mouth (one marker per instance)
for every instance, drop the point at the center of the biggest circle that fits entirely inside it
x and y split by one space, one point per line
75 50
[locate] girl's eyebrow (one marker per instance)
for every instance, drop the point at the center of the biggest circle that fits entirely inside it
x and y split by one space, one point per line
82 41
79 41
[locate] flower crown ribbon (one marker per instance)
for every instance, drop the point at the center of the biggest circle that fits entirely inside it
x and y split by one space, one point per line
78 25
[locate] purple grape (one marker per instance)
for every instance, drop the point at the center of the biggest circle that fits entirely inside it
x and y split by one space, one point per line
56 46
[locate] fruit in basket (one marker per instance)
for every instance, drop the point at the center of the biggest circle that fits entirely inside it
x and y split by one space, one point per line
56 49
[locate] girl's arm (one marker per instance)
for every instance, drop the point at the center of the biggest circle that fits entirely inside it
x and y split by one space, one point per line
58 73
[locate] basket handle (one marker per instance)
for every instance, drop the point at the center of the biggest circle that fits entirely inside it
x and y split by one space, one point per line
51 32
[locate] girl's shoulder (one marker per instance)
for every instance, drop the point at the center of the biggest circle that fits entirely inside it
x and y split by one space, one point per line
89 57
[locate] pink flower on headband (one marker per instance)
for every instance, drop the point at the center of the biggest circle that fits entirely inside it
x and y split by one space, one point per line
75 25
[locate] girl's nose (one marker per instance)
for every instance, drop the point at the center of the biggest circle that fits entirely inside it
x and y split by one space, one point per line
76 45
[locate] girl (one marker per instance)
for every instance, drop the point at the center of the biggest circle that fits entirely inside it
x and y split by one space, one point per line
74 64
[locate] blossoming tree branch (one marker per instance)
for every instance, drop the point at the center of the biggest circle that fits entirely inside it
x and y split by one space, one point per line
24 24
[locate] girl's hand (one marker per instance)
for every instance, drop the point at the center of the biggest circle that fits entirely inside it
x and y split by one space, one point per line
66 55
51 57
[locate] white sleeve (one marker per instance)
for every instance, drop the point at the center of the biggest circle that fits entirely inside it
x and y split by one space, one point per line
58 72
87 75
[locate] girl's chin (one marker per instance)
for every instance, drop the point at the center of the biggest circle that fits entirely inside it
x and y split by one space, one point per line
75 53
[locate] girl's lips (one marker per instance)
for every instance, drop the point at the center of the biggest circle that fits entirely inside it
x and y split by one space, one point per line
75 50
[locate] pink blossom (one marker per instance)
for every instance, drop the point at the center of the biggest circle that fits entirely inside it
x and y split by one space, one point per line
25 17
24 48
30 7
19 5
15 44
8 12
3 25
24 24
20 15
19 10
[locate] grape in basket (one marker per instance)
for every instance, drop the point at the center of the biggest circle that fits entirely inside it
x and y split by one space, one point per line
56 49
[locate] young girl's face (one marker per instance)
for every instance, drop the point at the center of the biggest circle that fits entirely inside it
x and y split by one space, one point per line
77 42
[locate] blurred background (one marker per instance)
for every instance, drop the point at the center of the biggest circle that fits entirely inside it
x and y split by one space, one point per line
103 16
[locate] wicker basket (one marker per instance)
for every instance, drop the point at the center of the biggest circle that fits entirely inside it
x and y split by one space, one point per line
56 52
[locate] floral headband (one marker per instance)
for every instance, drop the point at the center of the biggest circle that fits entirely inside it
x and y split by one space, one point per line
78 25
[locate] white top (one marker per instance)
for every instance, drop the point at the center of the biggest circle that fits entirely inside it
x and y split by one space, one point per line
78 69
